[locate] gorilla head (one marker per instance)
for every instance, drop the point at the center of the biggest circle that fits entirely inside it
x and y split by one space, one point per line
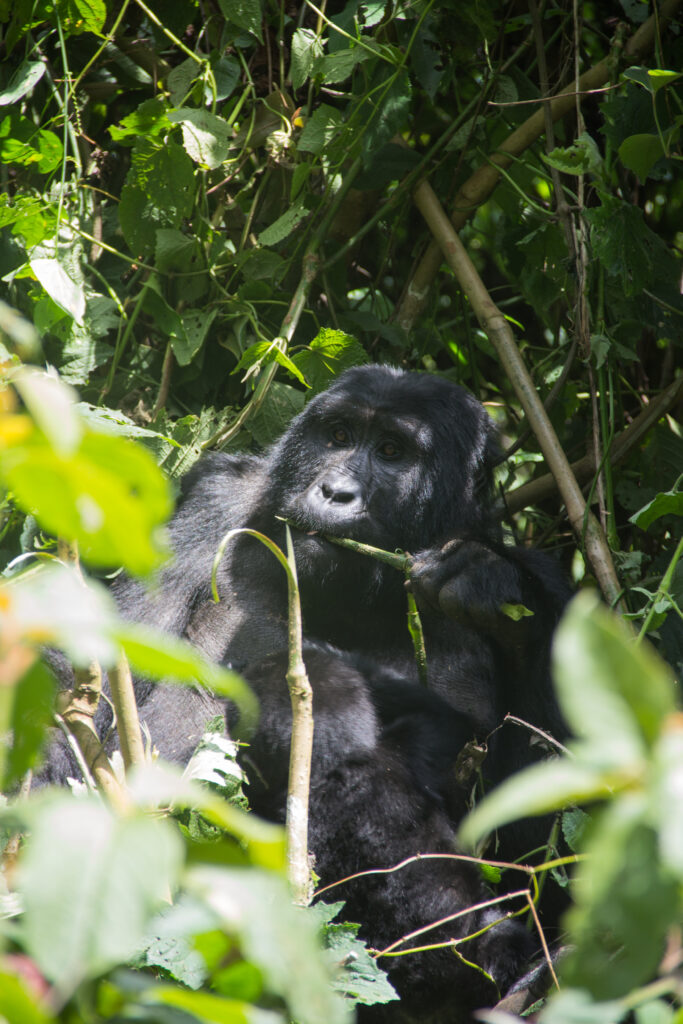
389 458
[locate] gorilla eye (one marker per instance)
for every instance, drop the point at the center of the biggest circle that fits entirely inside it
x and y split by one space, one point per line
389 450
341 436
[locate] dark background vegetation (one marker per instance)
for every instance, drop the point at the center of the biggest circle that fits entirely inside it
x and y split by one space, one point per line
207 213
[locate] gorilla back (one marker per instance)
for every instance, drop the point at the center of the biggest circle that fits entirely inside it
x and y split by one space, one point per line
400 461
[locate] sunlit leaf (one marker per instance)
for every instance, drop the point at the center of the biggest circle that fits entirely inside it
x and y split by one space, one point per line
90 882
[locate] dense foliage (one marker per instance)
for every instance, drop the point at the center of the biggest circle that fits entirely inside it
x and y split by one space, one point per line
206 213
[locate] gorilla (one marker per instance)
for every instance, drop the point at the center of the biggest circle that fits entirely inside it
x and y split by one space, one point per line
397 460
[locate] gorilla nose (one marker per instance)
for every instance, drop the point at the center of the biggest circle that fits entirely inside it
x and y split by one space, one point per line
339 489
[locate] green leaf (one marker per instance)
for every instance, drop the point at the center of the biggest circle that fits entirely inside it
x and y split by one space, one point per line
337 67
19 1004
226 72
163 785
655 1011
108 495
287 952
209 1008
358 976
22 81
50 604
32 707
305 50
621 895
536 790
180 80
330 353
79 16
148 120
158 193
582 157
51 404
320 129
275 415
613 692
22 143
284 225
188 338
244 13
575 1006
516 612
652 80
61 288
206 136
667 799
640 153
90 883
667 503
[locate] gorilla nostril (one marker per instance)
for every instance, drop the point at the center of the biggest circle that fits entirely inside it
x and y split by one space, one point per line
339 497
339 492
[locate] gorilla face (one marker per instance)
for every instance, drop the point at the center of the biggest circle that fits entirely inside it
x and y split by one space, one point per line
386 458
366 463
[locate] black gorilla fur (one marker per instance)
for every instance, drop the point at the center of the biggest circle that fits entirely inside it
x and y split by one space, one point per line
397 460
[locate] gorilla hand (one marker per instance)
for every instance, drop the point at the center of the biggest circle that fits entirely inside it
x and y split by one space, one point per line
473 584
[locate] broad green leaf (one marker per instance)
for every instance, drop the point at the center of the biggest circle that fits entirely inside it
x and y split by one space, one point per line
32 708
652 80
21 142
51 605
244 13
61 288
359 978
306 47
667 503
206 136
226 72
582 157
108 495
209 1008
90 882
174 250
667 798
330 353
263 264
284 225
194 327
536 790
19 1004
159 193
337 67
621 894
287 951
613 692
79 16
180 80
22 82
275 415
52 406
655 1011
640 153
148 120
575 1006
320 129
164 785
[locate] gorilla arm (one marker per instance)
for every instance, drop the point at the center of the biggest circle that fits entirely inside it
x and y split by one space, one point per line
218 494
